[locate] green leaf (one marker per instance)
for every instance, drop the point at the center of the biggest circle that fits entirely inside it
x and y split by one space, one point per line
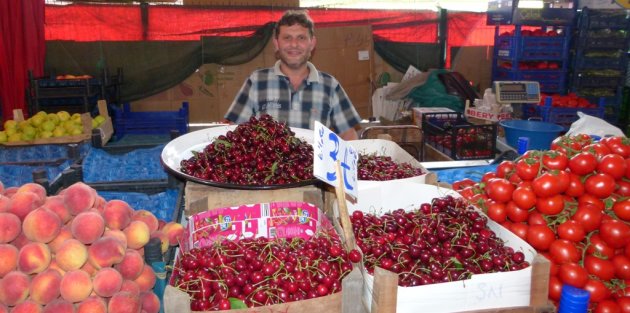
226 143
458 265
236 303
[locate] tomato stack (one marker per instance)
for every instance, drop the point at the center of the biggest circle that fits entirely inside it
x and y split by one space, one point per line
571 203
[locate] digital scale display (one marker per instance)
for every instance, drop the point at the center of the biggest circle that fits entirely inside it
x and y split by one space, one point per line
517 91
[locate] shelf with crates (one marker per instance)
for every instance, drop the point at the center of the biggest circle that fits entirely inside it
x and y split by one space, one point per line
599 58
533 53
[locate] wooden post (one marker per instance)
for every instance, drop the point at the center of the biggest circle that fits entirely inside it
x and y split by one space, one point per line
343 211
384 291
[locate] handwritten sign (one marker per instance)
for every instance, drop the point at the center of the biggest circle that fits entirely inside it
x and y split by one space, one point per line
329 149
487 115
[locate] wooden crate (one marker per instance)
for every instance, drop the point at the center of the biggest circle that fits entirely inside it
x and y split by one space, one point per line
272 3
86 120
200 197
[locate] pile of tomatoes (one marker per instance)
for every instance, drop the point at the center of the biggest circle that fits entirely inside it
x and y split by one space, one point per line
571 203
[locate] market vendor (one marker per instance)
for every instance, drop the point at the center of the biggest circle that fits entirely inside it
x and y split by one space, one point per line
293 90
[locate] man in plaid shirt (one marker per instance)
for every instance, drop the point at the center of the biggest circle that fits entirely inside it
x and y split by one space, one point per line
293 90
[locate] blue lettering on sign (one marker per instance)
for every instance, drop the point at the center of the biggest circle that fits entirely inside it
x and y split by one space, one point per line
226 222
349 156
320 144
332 176
488 291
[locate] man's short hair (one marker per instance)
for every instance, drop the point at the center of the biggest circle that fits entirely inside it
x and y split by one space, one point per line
292 17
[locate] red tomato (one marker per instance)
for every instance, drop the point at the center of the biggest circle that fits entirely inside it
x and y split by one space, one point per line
497 212
622 266
536 218
487 176
564 251
590 199
576 187
527 168
540 237
463 183
546 185
618 145
615 233
599 149
555 160
573 274
589 216
597 289
555 288
505 168
583 163
622 209
600 185
624 304
516 214
599 247
613 165
602 268
607 306
623 188
520 229
524 198
628 168
550 205
499 189
571 230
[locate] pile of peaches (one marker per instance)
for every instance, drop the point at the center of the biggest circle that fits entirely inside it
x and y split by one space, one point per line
76 252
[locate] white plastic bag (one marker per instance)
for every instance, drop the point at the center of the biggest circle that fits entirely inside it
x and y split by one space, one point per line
591 125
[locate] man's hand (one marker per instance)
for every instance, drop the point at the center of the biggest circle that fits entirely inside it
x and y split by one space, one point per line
350 134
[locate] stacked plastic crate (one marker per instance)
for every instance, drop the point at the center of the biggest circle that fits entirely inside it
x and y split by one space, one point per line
600 58
533 54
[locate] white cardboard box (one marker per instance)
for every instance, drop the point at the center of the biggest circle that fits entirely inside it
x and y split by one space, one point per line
417 113
384 147
484 291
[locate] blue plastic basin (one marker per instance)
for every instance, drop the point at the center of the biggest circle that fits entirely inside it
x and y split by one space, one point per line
540 134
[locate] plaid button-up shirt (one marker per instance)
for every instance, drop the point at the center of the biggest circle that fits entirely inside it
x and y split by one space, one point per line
320 98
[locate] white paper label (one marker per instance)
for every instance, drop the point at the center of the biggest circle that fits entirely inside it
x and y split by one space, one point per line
329 149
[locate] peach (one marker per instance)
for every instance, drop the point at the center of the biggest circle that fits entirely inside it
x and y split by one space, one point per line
123 302
92 304
150 302
131 266
1 187
10 227
35 188
105 252
5 203
163 239
8 258
4 308
130 286
175 232
118 234
9 192
99 204
161 223
147 217
79 197
41 225
75 286
59 306
54 266
20 241
28 306
23 203
14 288
146 280
64 234
107 281
44 286
33 258
87 227
57 205
89 268
117 214
71 255
138 234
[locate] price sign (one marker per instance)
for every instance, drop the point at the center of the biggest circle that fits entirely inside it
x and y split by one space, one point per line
329 149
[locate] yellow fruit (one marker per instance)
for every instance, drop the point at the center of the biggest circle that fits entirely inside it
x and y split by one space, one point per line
28 136
23 124
11 131
76 117
15 137
100 119
59 131
10 124
47 126
63 115
37 119
3 136
76 131
53 117
45 134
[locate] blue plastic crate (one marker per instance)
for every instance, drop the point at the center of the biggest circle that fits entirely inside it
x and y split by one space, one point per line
18 175
156 122
42 153
532 48
136 165
596 63
604 18
162 204
559 115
